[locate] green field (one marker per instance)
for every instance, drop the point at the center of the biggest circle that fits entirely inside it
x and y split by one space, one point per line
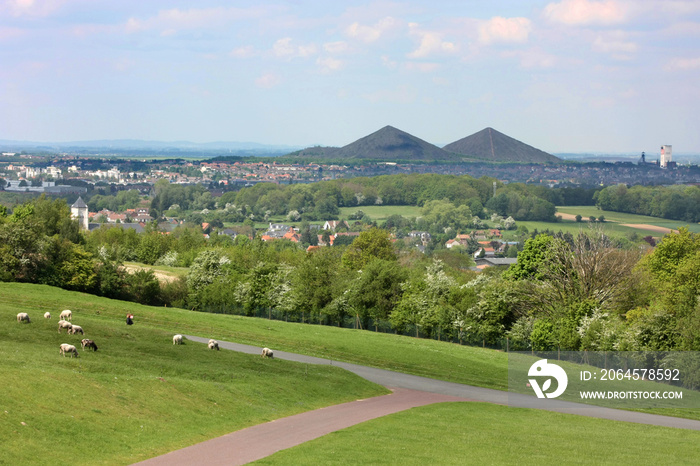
381 212
479 433
138 396
620 217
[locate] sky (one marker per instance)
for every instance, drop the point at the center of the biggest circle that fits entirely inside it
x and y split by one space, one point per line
608 76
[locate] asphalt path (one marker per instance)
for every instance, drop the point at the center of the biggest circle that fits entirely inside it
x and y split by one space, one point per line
409 391
413 382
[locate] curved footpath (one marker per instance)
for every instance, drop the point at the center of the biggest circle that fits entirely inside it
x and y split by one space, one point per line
409 391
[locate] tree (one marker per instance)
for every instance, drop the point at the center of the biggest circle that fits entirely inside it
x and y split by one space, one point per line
371 244
531 259
578 218
377 288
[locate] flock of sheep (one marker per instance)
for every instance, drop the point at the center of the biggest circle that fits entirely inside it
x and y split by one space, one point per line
65 323
72 329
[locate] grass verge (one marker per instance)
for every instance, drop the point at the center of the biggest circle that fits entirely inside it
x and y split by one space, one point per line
479 433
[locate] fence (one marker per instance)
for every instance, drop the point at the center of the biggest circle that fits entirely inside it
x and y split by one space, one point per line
362 323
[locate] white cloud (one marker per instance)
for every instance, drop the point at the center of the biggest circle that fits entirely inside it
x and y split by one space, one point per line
683 64
268 80
246 51
171 21
586 12
532 58
283 48
370 34
499 29
329 64
37 8
336 47
388 62
430 43
615 45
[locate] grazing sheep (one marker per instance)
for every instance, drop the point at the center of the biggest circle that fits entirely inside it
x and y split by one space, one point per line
66 348
177 339
213 344
266 353
23 317
64 324
47 315
76 329
66 315
85 343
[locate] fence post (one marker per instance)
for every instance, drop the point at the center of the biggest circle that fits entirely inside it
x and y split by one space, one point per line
507 344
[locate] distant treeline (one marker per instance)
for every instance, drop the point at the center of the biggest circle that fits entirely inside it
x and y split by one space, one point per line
672 202
321 201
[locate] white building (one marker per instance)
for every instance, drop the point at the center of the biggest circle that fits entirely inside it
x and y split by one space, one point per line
79 211
665 156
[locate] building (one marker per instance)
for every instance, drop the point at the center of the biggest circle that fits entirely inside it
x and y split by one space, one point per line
665 156
79 211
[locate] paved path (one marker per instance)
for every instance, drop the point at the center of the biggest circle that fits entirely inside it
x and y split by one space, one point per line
259 441
254 443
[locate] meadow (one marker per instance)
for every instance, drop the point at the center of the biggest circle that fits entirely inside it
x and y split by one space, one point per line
139 395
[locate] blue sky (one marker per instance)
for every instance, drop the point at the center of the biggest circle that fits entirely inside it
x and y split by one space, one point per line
610 76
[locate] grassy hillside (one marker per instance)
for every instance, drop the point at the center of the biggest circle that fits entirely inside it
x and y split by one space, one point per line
139 395
479 433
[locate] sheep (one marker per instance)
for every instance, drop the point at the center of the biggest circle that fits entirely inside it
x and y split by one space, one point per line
85 343
213 344
266 353
76 329
23 317
177 339
47 315
66 348
64 324
66 315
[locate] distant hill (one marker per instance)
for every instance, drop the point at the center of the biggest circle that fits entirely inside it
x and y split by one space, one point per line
491 145
388 144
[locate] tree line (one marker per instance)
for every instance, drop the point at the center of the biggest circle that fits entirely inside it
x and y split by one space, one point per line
568 292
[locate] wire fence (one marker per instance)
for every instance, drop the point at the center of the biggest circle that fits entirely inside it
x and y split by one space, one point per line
452 334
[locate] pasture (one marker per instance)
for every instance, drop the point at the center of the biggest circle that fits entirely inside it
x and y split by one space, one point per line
138 396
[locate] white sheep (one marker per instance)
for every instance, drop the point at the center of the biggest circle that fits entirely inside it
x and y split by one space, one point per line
213 344
23 317
47 315
266 353
76 329
64 324
177 339
66 348
66 315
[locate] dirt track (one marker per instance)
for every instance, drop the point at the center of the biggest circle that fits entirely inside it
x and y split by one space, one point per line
644 226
